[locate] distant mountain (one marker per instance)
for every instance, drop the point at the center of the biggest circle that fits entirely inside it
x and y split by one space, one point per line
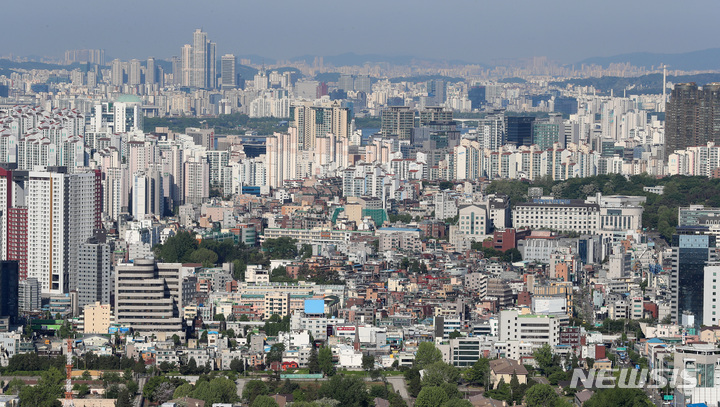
351 58
708 59
641 85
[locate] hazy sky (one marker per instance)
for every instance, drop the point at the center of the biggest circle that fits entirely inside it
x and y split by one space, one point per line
471 30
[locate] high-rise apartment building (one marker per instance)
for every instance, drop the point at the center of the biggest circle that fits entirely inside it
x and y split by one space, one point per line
690 253
317 120
52 213
692 116
549 131
150 72
117 73
135 73
227 71
398 121
94 273
148 296
198 62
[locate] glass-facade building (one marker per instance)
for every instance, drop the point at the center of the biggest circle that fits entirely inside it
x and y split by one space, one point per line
689 255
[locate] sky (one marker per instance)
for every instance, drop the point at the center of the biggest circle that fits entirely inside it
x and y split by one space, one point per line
567 31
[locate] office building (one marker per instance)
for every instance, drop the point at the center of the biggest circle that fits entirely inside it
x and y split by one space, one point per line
9 280
547 132
691 116
148 296
346 82
519 130
568 215
227 72
491 130
699 364
690 253
397 121
435 114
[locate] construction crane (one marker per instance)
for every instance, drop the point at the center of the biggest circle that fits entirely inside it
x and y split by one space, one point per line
68 402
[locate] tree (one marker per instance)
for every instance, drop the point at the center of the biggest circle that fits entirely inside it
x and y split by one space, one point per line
163 392
440 372
412 378
348 390
139 367
478 373
219 317
541 395
427 354
431 396
177 249
455 334
281 248
206 257
325 361
236 365
254 388
276 353
313 361
264 401
124 399
46 392
183 390
619 397
368 361
222 390
544 357
457 403
82 389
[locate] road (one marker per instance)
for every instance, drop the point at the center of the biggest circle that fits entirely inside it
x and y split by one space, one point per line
398 384
139 398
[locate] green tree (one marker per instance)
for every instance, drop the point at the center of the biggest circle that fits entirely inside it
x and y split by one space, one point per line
254 388
206 257
276 353
236 365
325 361
544 357
46 392
348 390
368 361
183 390
457 403
541 395
264 401
281 248
412 378
431 396
82 389
219 390
455 334
440 372
124 398
619 397
479 372
427 354
313 361
178 248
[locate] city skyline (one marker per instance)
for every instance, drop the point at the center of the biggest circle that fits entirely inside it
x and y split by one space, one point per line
536 30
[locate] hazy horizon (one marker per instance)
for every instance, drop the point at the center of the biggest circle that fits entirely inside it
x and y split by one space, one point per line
479 33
